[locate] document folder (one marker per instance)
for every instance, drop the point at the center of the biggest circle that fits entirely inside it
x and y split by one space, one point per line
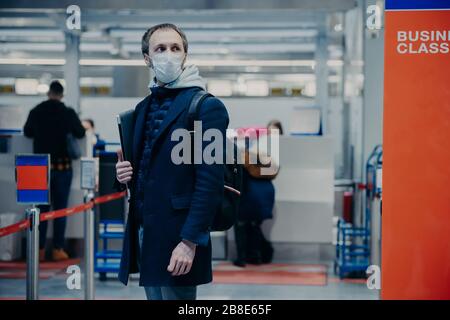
125 122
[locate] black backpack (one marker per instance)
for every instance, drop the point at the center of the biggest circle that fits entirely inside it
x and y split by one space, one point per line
226 216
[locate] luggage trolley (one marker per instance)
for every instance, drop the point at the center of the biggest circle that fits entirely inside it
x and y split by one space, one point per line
110 220
353 247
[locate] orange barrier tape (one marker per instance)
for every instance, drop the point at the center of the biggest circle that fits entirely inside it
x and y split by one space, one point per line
24 224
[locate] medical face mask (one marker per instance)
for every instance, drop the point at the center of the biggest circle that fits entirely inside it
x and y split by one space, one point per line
167 66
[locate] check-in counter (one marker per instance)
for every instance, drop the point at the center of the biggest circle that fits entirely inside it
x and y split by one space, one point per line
304 192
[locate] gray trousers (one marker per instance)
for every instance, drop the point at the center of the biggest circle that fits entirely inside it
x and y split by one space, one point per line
167 293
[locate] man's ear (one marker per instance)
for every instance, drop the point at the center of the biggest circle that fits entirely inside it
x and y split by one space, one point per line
147 60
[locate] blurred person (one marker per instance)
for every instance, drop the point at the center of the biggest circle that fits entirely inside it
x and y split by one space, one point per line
49 124
257 203
98 143
167 238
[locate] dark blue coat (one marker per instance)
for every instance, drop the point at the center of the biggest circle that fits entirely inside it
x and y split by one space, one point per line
179 200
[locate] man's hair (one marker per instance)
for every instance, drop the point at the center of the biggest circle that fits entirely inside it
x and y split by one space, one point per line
149 32
56 88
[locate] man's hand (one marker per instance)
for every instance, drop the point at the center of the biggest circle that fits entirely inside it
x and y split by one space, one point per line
124 171
182 258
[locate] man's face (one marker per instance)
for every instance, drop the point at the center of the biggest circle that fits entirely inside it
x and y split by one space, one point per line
163 41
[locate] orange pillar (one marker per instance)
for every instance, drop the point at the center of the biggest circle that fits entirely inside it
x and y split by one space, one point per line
416 151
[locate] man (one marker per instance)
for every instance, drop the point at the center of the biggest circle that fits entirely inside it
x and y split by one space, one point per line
48 124
171 206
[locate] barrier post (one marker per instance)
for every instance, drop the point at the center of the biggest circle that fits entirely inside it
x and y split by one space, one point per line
33 187
88 184
89 248
33 253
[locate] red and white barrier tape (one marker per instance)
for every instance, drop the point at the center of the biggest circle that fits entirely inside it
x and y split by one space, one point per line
16 227
24 224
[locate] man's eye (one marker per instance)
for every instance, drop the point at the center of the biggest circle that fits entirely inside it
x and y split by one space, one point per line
176 49
159 49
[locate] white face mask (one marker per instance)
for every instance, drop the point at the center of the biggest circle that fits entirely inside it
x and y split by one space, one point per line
167 66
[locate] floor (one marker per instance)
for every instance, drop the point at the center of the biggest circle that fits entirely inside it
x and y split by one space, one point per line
54 287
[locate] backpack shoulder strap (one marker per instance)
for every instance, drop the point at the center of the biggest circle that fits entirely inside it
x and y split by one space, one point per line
194 106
